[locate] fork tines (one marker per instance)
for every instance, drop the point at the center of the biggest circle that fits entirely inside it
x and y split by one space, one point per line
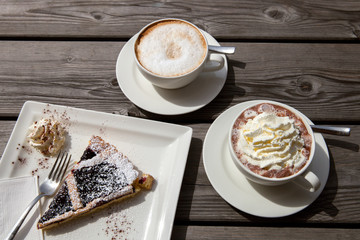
61 164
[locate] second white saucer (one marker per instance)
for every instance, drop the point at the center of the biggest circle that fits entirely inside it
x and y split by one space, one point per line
163 101
249 197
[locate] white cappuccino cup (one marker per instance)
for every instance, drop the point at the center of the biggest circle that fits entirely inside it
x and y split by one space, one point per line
171 53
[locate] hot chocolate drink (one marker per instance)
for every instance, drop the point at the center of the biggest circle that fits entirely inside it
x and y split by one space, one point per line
271 140
170 48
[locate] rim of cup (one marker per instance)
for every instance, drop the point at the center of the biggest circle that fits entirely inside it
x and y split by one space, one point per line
303 118
169 77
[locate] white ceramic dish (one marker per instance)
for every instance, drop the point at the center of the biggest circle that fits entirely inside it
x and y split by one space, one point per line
157 148
249 197
165 101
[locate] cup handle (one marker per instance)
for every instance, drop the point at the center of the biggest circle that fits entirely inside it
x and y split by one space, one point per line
214 63
308 180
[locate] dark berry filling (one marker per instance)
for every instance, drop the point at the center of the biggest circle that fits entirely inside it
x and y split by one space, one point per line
60 204
142 180
88 154
98 181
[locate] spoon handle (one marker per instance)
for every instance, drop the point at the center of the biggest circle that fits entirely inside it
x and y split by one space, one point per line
340 131
220 49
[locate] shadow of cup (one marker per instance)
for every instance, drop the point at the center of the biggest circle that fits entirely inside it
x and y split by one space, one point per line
295 196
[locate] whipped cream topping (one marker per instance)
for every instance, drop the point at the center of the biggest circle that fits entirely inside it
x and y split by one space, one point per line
47 136
271 142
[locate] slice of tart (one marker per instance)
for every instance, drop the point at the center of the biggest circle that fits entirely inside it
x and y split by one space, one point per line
102 176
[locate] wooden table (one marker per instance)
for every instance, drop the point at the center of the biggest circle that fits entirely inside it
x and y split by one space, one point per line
302 53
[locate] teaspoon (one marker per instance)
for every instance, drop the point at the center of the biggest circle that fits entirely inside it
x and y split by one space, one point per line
221 49
340 131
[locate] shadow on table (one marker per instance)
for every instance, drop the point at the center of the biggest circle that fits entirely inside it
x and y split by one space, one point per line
324 203
228 93
220 103
180 232
188 186
343 144
290 195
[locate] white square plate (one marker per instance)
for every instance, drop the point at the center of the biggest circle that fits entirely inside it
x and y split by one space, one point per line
157 148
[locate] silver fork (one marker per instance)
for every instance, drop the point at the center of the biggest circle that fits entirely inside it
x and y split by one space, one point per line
47 188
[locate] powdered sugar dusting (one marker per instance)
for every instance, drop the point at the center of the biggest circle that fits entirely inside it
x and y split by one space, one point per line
97 144
73 193
114 158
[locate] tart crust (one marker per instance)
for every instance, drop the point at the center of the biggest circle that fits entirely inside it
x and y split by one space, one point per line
71 194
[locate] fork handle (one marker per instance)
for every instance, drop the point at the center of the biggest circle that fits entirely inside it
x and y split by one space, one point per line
18 224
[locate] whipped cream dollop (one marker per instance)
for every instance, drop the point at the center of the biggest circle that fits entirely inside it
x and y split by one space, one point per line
271 142
47 136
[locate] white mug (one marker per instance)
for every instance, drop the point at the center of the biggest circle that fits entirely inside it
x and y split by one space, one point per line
304 178
173 82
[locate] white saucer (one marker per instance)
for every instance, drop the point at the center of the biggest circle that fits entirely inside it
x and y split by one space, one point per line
162 101
249 197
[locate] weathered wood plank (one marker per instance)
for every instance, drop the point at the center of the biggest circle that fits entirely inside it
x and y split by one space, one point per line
232 19
343 150
338 203
321 80
6 128
201 203
280 233
60 72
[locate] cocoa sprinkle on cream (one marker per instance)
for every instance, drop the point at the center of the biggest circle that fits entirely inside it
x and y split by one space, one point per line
47 136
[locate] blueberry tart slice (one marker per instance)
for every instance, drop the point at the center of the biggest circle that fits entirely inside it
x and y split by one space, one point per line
102 176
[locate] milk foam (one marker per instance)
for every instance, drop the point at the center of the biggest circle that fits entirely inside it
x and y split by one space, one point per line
271 142
171 48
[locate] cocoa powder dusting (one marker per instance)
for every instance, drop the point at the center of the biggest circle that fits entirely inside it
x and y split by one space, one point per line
22 160
25 148
33 172
62 117
42 163
118 226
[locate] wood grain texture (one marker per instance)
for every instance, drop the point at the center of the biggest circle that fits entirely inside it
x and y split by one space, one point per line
280 233
320 80
232 19
339 203
66 73
6 128
301 53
